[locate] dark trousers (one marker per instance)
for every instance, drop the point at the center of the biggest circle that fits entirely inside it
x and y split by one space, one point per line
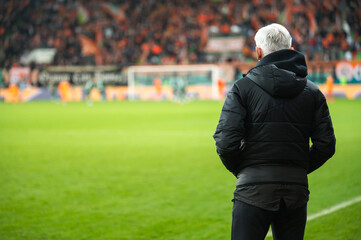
252 223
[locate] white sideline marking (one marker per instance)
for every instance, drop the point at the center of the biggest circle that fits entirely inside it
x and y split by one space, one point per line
328 210
334 208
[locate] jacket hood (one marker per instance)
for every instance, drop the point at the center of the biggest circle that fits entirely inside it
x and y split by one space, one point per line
282 73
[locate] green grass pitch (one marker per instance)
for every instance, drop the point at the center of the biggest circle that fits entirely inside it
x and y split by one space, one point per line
145 170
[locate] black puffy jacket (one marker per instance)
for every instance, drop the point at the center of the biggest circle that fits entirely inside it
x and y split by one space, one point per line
270 115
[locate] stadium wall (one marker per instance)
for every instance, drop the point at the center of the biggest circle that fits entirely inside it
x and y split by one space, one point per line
42 84
119 93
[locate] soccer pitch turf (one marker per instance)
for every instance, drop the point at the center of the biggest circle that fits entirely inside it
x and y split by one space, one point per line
146 170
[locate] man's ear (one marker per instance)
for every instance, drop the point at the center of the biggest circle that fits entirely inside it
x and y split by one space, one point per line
292 48
259 53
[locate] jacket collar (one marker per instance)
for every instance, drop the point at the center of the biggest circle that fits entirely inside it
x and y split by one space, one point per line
287 59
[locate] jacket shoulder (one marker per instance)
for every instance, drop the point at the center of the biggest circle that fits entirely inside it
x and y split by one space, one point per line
312 86
314 89
243 83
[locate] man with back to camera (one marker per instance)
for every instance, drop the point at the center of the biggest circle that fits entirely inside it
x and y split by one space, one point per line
263 137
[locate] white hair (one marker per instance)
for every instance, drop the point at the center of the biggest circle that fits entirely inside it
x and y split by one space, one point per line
272 38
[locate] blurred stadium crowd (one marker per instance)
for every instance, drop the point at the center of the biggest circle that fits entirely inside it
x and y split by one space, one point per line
124 33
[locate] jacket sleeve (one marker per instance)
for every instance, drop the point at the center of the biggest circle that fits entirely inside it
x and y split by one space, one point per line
230 130
322 136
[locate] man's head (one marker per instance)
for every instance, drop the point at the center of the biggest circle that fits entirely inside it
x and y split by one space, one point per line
272 38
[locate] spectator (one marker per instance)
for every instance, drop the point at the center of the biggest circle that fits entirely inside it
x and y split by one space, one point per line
155 32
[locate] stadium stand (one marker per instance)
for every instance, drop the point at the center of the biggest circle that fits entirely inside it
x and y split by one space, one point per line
123 33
